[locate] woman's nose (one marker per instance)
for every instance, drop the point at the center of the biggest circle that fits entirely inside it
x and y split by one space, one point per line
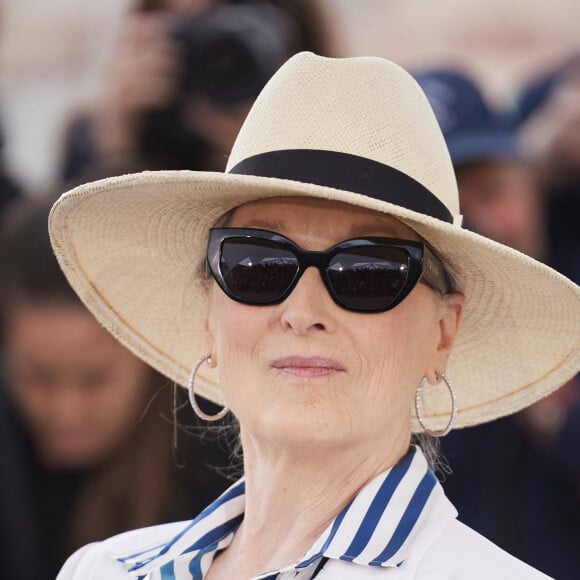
309 306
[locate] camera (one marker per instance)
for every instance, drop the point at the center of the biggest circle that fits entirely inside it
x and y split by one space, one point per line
226 54
229 52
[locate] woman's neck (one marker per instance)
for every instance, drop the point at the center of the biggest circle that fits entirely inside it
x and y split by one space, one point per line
291 498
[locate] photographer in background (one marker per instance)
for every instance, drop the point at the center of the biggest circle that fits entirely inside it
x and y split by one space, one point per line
182 80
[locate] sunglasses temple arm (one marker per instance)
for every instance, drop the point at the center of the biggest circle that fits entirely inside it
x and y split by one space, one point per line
435 273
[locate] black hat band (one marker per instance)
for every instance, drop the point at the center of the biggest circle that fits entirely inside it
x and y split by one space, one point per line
346 172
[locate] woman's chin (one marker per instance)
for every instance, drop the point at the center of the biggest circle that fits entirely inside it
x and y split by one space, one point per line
300 427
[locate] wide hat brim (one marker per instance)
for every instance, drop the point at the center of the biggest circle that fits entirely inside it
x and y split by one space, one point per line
131 248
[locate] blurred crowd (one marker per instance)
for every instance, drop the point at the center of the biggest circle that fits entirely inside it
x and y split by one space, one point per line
518 173
92 440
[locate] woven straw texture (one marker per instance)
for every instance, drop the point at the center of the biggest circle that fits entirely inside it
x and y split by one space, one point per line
131 246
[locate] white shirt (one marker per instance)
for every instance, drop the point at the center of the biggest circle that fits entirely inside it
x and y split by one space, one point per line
400 526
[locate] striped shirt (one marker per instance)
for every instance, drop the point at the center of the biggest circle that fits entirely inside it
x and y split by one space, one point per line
400 525
374 529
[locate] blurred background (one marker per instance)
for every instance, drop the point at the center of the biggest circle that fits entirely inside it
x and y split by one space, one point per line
93 89
52 53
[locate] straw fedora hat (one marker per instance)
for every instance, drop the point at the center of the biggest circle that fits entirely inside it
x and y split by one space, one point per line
356 130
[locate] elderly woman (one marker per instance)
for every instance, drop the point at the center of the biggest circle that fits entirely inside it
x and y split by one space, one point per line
321 282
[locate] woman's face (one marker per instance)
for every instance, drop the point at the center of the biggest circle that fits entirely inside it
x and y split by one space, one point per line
308 371
80 393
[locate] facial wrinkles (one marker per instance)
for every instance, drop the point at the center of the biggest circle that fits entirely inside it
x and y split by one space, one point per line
311 233
385 353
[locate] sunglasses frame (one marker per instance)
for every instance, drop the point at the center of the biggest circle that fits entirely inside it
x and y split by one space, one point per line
423 264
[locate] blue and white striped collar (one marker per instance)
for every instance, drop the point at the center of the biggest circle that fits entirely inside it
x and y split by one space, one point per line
394 514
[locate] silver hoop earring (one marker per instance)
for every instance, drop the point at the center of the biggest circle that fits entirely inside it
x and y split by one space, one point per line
419 406
190 389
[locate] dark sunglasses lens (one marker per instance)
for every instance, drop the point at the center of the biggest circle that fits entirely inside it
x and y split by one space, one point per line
368 277
257 270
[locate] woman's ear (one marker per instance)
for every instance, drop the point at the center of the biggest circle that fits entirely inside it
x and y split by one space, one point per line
449 322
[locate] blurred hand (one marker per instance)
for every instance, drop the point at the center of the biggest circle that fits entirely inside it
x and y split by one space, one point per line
141 75
551 138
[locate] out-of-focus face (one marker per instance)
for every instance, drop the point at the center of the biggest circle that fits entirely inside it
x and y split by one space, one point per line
500 201
308 374
78 390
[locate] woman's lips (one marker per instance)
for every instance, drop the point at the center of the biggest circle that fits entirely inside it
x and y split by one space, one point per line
307 367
